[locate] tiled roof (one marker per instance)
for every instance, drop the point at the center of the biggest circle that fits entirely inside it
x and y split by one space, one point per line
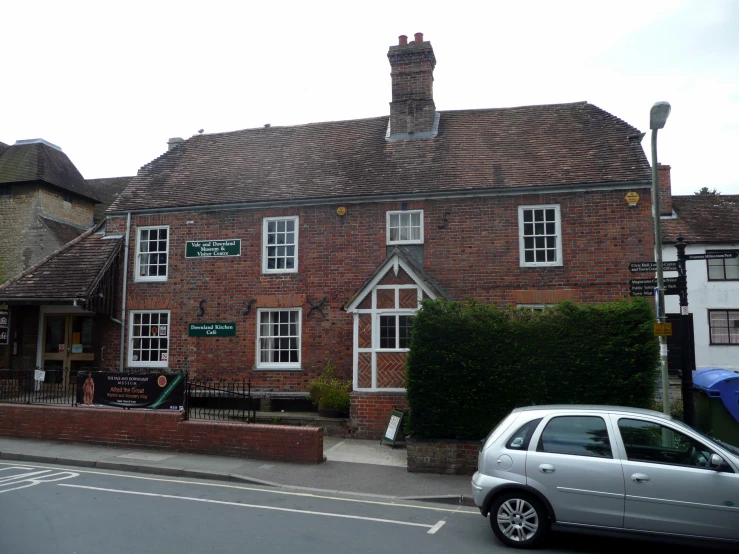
70 272
40 162
107 190
703 219
505 148
3 147
62 232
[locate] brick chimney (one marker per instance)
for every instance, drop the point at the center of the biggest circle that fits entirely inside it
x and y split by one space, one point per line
665 189
412 110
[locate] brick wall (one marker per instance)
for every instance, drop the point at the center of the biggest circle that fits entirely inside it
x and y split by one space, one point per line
370 412
162 430
442 456
474 254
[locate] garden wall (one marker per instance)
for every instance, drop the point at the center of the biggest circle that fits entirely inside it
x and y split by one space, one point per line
162 430
447 456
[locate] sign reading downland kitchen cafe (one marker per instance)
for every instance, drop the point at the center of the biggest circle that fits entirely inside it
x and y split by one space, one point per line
211 329
212 248
4 326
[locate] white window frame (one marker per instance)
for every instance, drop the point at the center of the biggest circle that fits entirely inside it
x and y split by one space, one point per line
732 340
400 212
265 223
142 278
396 313
557 234
131 338
279 365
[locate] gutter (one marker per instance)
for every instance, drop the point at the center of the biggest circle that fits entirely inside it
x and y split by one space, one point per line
508 191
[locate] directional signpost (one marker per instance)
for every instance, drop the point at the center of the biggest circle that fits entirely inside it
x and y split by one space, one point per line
712 256
651 267
645 287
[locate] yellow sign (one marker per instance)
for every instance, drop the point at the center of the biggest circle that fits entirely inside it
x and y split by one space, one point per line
663 329
632 199
75 338
341 210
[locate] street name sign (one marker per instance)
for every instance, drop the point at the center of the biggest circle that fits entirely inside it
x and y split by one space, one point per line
712 256
651 267
645 287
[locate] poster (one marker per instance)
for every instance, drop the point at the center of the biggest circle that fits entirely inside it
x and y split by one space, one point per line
125 390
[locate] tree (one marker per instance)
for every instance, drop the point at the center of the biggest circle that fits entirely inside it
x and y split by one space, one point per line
705 191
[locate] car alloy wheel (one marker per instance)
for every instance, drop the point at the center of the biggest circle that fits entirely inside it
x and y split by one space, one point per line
518 520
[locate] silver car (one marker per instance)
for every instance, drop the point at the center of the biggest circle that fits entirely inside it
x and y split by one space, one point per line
605 469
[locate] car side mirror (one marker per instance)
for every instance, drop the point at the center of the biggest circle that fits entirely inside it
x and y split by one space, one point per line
717 462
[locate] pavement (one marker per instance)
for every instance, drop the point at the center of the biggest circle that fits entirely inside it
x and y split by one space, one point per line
352 466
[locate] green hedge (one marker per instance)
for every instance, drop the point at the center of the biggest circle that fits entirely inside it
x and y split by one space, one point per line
470 364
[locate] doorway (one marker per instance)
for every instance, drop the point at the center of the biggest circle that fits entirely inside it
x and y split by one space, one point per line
67 346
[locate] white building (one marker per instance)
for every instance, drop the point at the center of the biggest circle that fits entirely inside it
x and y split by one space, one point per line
707 224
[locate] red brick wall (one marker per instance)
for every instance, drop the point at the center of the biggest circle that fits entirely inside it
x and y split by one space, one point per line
162 430
475 254
370 412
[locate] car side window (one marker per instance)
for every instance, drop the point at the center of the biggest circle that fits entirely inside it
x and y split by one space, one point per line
577 435
522 437
646 441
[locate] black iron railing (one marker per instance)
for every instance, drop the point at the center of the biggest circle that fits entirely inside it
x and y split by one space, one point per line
220 400
38 386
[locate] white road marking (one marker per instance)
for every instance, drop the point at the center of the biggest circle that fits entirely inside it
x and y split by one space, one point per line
33 479
281 491
435 528
240 505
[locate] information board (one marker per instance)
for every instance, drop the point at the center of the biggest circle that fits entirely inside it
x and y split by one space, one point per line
393 427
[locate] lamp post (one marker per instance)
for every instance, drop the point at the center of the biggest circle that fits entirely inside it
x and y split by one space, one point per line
657 117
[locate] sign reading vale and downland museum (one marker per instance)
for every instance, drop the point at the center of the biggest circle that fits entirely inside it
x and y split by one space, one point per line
212 248
131 390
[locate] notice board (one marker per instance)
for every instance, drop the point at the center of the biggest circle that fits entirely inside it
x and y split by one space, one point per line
394 426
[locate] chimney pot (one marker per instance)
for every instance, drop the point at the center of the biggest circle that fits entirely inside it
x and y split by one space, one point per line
402 39
418 37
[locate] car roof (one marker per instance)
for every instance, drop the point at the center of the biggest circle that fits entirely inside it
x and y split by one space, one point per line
593 408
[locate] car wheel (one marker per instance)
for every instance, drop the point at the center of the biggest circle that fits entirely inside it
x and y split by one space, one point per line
518 519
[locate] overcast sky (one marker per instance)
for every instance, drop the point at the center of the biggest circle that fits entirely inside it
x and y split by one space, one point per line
111 82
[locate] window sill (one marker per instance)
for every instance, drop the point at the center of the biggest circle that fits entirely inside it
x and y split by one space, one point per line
257 368
149 280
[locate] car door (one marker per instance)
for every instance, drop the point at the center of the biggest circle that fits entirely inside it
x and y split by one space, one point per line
571 462
670 486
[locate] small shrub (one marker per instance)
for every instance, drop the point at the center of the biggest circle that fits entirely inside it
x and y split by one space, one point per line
328 392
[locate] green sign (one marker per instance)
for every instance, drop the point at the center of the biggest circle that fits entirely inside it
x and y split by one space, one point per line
212 248
211 329
394 425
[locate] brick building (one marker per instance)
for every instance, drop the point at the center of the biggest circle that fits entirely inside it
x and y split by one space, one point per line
263 253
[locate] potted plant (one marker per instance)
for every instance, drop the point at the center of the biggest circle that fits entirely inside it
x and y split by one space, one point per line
330 393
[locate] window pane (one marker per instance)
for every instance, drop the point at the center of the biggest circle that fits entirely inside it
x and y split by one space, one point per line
651 442
528 215
387 331
577 435
521 438
404 331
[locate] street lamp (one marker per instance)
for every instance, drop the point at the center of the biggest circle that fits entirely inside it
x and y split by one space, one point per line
657 118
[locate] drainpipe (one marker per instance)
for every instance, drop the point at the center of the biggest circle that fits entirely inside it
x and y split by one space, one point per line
123 301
